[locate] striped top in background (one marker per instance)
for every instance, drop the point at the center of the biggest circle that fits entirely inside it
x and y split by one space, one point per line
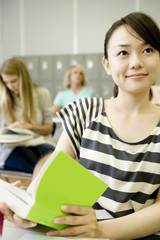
131 170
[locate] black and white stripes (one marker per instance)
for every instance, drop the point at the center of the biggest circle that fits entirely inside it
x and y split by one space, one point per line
132 170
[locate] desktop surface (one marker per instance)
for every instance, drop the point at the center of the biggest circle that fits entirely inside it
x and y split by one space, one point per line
13 232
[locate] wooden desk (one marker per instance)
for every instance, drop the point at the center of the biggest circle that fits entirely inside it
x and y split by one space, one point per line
12 232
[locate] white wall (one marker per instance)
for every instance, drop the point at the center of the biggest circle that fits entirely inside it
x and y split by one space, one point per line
48 27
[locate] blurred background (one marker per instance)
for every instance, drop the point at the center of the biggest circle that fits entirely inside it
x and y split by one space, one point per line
51 35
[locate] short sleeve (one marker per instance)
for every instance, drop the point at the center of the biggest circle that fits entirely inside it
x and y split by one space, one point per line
77 116
58 99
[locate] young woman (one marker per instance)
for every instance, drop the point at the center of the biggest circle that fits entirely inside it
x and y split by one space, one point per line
24 104
118 140
75 87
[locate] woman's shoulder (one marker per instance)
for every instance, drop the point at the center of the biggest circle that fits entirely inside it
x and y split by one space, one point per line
64 92
90 91
42 95
42 91
88 105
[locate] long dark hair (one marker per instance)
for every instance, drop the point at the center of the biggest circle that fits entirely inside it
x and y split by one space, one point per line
144 25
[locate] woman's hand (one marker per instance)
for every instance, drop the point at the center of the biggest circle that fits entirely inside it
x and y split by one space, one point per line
17 124
12 217
83 222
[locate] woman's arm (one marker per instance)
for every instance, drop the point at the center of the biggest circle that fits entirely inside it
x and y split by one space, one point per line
65 145
55 108
45 124
41 129
84 224
136 225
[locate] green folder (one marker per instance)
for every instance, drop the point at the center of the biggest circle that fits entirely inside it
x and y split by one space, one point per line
62 180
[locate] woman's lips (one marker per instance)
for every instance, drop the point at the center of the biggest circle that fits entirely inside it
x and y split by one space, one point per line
137 75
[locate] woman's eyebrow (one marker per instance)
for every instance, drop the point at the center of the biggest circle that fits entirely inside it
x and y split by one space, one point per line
128 45
123 45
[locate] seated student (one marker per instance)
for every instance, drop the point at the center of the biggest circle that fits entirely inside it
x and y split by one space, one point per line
23 104
75 83
118 140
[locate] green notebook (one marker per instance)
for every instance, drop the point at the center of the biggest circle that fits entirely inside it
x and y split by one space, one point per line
60 181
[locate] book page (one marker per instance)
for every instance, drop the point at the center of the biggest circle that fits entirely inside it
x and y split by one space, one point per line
17 199
14 138
20 131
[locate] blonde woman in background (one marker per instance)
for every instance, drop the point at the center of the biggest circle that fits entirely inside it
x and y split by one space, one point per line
75 87
23 104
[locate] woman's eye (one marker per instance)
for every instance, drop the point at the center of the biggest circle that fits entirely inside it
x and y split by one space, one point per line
122 53
14 81
148 50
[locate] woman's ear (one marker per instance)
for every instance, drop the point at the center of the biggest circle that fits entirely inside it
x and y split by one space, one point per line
105 63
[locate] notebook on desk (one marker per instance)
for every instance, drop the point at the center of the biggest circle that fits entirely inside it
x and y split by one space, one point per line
14 138
15 135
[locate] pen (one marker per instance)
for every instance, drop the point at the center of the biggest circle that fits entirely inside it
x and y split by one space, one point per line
1 223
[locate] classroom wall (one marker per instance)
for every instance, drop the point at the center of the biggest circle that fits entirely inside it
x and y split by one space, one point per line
45 27
48 34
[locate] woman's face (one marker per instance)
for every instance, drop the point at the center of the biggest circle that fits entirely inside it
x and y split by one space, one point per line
76 76
11 82
132 63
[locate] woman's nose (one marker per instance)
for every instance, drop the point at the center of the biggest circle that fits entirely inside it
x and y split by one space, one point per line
136 61
10 86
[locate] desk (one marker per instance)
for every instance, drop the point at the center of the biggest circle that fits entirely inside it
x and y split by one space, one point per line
12 232
56 119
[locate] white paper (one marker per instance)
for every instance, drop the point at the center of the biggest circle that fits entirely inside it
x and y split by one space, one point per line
32 236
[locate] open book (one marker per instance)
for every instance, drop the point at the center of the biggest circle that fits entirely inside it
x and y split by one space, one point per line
60 181
15 135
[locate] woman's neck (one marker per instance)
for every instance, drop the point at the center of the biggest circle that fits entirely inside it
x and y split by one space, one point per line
76 88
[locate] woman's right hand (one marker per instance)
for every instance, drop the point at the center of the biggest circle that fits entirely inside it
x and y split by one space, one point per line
12 217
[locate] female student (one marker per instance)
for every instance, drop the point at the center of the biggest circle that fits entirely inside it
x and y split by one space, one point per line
75 82
23 104
118 140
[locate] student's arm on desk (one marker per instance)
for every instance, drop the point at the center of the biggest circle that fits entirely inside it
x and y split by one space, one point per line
37 128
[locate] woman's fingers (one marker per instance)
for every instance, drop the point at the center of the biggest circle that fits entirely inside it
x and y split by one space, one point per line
72 220
8 214
78 210
82 215
70 231
83 222
17 183
24 223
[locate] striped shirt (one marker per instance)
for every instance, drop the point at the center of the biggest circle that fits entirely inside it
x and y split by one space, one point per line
131 170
